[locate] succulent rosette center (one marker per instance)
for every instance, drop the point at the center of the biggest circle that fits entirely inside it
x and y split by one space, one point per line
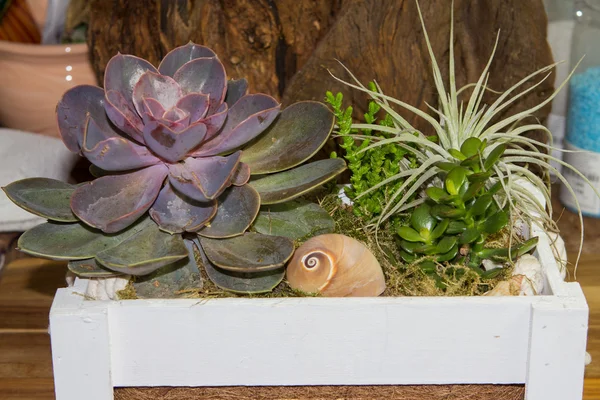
172 133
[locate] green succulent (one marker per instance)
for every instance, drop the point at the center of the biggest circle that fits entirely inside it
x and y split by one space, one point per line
457 218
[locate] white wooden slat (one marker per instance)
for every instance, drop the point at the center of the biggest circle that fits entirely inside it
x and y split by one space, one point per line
320 341
80 346
557 348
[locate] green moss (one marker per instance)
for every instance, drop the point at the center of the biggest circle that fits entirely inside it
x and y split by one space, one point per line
409 279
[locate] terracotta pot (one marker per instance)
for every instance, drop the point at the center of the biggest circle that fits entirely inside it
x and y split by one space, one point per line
32 80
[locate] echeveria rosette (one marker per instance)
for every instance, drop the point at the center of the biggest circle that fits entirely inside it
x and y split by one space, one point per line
174 131
175 150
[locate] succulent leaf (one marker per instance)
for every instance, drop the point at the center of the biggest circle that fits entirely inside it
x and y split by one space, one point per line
421 218
77 241
160 88
173 280
481 205
238 207
436 194
170 144
144 252
251 252
440 229
516 251
455 180
73 110
204 178
494 156
409 234
446 166
112 203
294 137
446 244
410 247
450 255
114 153
123 116
407 257
441 211
479 177
45 197
90 268
455 227
240 282
177 57
295 219
176 213
495 222
236 89
195 104
122 73
471 147
457 154
241 176
246 119
469 235
206 76
472 191
287 185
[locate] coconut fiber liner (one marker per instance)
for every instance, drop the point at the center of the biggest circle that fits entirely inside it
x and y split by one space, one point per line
421 392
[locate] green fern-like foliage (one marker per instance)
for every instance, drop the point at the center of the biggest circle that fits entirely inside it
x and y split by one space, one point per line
371 166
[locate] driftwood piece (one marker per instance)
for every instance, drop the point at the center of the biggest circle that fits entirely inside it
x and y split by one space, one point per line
284 47
265 41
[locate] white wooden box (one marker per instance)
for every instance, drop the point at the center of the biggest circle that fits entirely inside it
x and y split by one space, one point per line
538 341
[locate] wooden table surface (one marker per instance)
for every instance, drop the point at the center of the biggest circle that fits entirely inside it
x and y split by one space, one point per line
27 287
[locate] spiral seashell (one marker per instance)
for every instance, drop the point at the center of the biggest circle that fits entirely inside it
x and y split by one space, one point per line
335 266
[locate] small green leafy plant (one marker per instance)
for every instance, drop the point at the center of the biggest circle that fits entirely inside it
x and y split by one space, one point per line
456 220
372 166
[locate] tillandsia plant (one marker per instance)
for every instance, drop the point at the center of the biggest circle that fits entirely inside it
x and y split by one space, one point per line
467 133
184 159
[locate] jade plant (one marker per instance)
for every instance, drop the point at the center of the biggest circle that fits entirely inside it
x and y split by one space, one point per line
456 220
184 159
469 179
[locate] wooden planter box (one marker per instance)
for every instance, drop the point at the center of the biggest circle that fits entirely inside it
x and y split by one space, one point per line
538 341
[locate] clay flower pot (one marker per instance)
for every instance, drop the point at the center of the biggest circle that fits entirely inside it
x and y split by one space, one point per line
32 80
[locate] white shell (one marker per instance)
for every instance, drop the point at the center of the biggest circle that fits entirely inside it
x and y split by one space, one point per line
531 269
106 288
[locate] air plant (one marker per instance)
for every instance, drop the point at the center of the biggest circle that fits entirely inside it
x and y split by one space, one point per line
181 155
456 124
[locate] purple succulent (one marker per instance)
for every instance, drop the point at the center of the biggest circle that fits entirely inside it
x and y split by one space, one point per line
180 149
183 121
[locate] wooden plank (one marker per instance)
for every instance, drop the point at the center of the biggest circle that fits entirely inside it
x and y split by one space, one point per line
317 341
588 275
27 287
557 348
25 366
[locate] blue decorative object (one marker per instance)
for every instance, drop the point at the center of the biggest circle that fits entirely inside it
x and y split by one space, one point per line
583 124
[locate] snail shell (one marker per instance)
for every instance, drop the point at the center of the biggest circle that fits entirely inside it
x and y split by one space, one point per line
335 266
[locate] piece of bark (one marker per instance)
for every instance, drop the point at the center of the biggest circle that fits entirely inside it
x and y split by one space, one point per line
265 41
386 43
284 47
